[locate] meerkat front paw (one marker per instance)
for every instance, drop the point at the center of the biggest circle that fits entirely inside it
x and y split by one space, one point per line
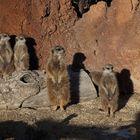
59 79
54 108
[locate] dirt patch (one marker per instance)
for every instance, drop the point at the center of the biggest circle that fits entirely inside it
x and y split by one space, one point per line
79 121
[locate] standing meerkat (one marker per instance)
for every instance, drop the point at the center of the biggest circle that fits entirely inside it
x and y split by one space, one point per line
6 56
21 55
95 77
57 79
108 90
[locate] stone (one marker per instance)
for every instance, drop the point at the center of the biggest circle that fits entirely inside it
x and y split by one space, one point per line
96 76
38 101
81 86
17 88
28 89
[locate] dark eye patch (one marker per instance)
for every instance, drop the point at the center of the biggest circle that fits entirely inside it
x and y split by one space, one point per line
5 35
16 39
58 49
21 38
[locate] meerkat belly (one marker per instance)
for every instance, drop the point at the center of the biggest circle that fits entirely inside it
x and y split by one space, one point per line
21 52
109 85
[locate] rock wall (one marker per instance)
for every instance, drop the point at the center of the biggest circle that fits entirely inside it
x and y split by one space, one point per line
107 33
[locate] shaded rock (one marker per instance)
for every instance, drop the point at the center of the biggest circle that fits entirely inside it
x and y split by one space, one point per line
37 101
95 76
15 89
29 89
81 86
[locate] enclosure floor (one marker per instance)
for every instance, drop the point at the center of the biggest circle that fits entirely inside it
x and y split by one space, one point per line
79 121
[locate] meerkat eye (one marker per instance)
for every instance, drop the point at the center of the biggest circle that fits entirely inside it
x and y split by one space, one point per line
108 68
52 51
59 49
5 35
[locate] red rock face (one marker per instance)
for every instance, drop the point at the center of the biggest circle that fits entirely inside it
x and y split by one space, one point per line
103 34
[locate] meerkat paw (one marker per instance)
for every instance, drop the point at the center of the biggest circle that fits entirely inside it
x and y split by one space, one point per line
107 115
62 108
112 115
101 110
54 108
54 81
59 80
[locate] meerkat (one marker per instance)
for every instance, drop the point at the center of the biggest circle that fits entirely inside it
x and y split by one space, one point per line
57 79
6 56
95 77
108 90
21 55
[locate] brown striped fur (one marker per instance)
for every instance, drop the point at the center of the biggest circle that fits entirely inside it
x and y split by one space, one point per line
109 91
21 55
6 56
57 78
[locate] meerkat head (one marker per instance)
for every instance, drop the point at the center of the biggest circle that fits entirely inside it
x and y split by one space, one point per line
58 52
108 68
4 38
20 40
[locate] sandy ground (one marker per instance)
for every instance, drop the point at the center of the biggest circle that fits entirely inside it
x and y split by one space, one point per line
79 121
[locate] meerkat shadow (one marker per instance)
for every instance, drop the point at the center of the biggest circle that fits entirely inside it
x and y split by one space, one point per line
77 63
74 74
33 61
12 41
126 87
137 124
